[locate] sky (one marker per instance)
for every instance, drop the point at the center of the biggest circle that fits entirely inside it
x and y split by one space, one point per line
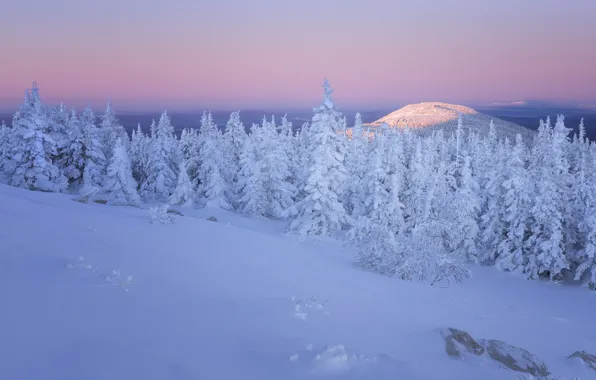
239 54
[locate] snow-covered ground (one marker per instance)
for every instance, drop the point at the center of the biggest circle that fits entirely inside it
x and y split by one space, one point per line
238 299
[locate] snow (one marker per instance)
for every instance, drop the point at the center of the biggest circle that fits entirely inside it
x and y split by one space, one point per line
433 116
220 301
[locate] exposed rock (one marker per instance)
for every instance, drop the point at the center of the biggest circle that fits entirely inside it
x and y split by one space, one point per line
458 342
100 201
212 219
586 357
515 358
174 211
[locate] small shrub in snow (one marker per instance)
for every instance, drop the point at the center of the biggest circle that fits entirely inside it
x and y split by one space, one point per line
301 307
159 214
423 262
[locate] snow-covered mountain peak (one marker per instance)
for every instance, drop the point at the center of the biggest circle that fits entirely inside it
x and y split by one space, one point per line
435 115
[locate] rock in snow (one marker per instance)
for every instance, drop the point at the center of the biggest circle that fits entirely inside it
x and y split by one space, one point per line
585 357
458 342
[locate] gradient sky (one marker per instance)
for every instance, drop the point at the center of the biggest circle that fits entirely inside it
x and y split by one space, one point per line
232 54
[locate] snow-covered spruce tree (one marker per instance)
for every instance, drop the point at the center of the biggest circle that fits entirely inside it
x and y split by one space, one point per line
4 144
585 209
463 209
288 142
546 244
212 185
95 161
416 186
120 186
72 154
189 149
234 138
254 196
184 194
139 154
160 181
356 159
491 200
32 148
374 233
300 163
111 130
276 168
58 129
321 211
516 203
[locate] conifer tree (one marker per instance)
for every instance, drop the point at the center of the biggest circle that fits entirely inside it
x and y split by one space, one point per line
111 130
184 194
160 181
212 185
95 161
32 148
72 157
234 138
120 186
321 212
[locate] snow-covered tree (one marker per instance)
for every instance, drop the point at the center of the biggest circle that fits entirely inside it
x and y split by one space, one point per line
111 130
321 212
546 244
189 149
72 155
59 130
184 194
120 186
160 181
254 196
95 161
32 148
4 144
234 138
515 207
356 160
139 154
212 185
462 212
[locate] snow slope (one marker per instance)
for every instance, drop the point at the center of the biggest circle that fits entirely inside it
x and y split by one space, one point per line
431 116
239 300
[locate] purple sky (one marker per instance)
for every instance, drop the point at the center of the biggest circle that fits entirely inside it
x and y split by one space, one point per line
275 53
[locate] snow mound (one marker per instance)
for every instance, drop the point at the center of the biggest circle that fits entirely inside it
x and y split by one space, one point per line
436 115
336 359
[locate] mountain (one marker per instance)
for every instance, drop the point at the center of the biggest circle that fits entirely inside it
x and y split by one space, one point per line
430 116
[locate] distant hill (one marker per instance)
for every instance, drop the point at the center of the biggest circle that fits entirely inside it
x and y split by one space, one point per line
426 117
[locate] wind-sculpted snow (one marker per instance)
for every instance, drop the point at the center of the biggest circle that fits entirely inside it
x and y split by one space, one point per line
225 301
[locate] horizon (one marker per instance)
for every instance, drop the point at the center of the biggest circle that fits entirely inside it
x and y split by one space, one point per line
234 55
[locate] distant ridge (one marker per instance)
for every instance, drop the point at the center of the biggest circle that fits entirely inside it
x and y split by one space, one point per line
429 116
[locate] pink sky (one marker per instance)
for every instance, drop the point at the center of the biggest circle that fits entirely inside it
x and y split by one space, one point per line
270 53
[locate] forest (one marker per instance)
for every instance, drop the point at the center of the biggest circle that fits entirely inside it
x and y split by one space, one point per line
416 207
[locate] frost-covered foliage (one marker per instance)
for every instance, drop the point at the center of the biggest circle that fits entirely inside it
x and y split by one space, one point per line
159 214
95 161
160 170
266 176
111 130
31 148
233 140
415 206
211 172
321 211
119 185
184 194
